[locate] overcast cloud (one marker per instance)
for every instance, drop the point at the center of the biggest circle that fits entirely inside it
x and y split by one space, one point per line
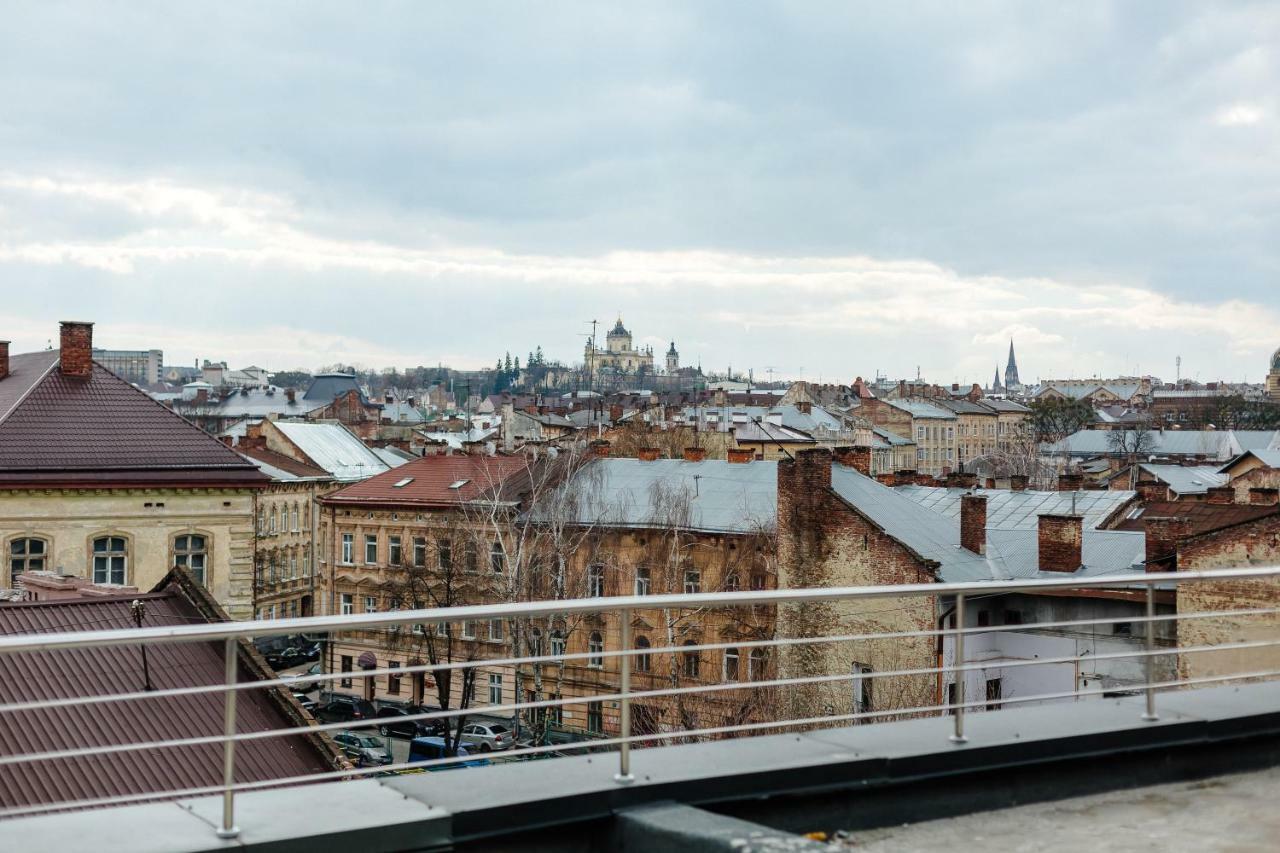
828 188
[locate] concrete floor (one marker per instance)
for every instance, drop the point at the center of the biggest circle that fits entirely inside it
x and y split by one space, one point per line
1225 813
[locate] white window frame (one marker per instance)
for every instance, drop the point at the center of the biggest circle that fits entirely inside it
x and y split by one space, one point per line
348 548
497 631
595 648
346 604
371 539
495 688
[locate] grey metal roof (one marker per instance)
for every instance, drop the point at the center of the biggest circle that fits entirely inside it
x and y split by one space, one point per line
817 418
258 403
334 448
1011 510
713 496
1187 480
1219 445
390 456
325 386
891 438
1003 405
402 413
1104 552
921 409
1270 458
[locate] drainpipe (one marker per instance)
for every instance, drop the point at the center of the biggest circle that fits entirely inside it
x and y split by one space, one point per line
940 687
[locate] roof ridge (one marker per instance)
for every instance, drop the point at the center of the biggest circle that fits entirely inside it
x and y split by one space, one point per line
30 388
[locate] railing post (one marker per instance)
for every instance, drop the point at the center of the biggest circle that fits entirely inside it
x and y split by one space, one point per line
957 736
624 776
1150 714
229 828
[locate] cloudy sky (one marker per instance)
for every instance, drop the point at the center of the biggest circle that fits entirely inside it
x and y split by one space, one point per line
824 189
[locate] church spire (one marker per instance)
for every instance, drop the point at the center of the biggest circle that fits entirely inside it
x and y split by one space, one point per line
1011 371
996 387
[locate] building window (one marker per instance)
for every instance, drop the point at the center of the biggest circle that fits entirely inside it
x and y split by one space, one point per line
444 554
190 552
595 717
643 661
275 517
472 558
730 672
557 643
370 604
393 550
293 563
595 648
595 581
535 642
755 665
731 582
110 560
692 582
393 680
861 687
346 667
495 689
262 521
347 604
348 549
469 630
758 579
642 580
497 558
26 555
692 663
419 552
984 618
370 549
297 518
555 713
497 631
995 692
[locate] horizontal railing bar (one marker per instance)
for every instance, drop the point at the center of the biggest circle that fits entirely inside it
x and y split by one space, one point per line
603 742
555 659
481 612
716 687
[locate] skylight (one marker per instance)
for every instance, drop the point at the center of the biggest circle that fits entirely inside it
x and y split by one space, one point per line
458 484
402 483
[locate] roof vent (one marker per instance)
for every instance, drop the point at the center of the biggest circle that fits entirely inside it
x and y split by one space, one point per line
458 484
402 483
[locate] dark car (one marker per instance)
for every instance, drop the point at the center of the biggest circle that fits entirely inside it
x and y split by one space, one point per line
431 748
342 708
391 722
291 656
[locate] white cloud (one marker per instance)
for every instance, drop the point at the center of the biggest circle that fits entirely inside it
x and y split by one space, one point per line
1239 115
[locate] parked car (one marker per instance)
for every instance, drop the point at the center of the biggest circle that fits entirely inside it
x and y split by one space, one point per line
431 748
487 737
344 708
391 722
364 749
305 681
291 656
308 704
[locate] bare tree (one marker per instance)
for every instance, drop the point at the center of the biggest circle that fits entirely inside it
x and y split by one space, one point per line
1130 445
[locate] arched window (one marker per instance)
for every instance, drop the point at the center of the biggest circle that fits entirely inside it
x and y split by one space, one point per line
497 558
557 643
730 672
755 665
595 580
595 648
692 662
275 521
643 662
191 551
297 518
26 555
110 559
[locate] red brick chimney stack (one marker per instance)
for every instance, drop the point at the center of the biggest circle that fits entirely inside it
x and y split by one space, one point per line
973 523
740 455
4 359
694 454
1061 543
1162 542
647 454
855 457
1018 483
76 355
1264 497
1221 495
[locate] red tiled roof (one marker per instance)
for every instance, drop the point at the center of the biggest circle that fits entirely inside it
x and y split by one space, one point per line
1203 516
35 676
429 479
52 425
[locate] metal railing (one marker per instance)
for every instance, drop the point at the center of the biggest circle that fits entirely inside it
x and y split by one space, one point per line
1144 588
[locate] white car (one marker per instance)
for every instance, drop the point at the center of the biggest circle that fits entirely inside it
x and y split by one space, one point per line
488 737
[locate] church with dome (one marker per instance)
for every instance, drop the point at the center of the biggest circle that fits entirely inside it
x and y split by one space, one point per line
619 355
1273 377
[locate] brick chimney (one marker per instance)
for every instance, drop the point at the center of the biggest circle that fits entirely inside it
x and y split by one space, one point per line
1070 482
291 395
1264 497
4 359
600 448
973 523
886 479
694 454
76 349
1018 483
740 455
904 477
647 454
804 407
854 457
1163 535
1061 542
1152 490
1220 495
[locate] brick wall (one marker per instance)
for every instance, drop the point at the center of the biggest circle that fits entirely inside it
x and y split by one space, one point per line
76 351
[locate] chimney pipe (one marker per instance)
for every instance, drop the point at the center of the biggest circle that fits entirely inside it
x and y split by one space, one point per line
1061 539
76 349
973 523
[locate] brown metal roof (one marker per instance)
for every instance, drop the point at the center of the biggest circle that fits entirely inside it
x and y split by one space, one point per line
51 424
284 463
1203 516
426 481
98 671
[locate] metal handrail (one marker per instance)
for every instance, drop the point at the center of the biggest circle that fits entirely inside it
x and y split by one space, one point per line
557 607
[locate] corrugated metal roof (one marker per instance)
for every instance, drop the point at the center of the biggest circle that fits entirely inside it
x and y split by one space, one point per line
1201 515
714 495
391 457
1012 510
921 409
1187 479
102 671
334 448
1219 445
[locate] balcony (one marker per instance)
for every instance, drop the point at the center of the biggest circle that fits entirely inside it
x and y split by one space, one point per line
777 770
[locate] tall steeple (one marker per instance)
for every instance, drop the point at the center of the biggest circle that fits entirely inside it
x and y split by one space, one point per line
1011 382
996 387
